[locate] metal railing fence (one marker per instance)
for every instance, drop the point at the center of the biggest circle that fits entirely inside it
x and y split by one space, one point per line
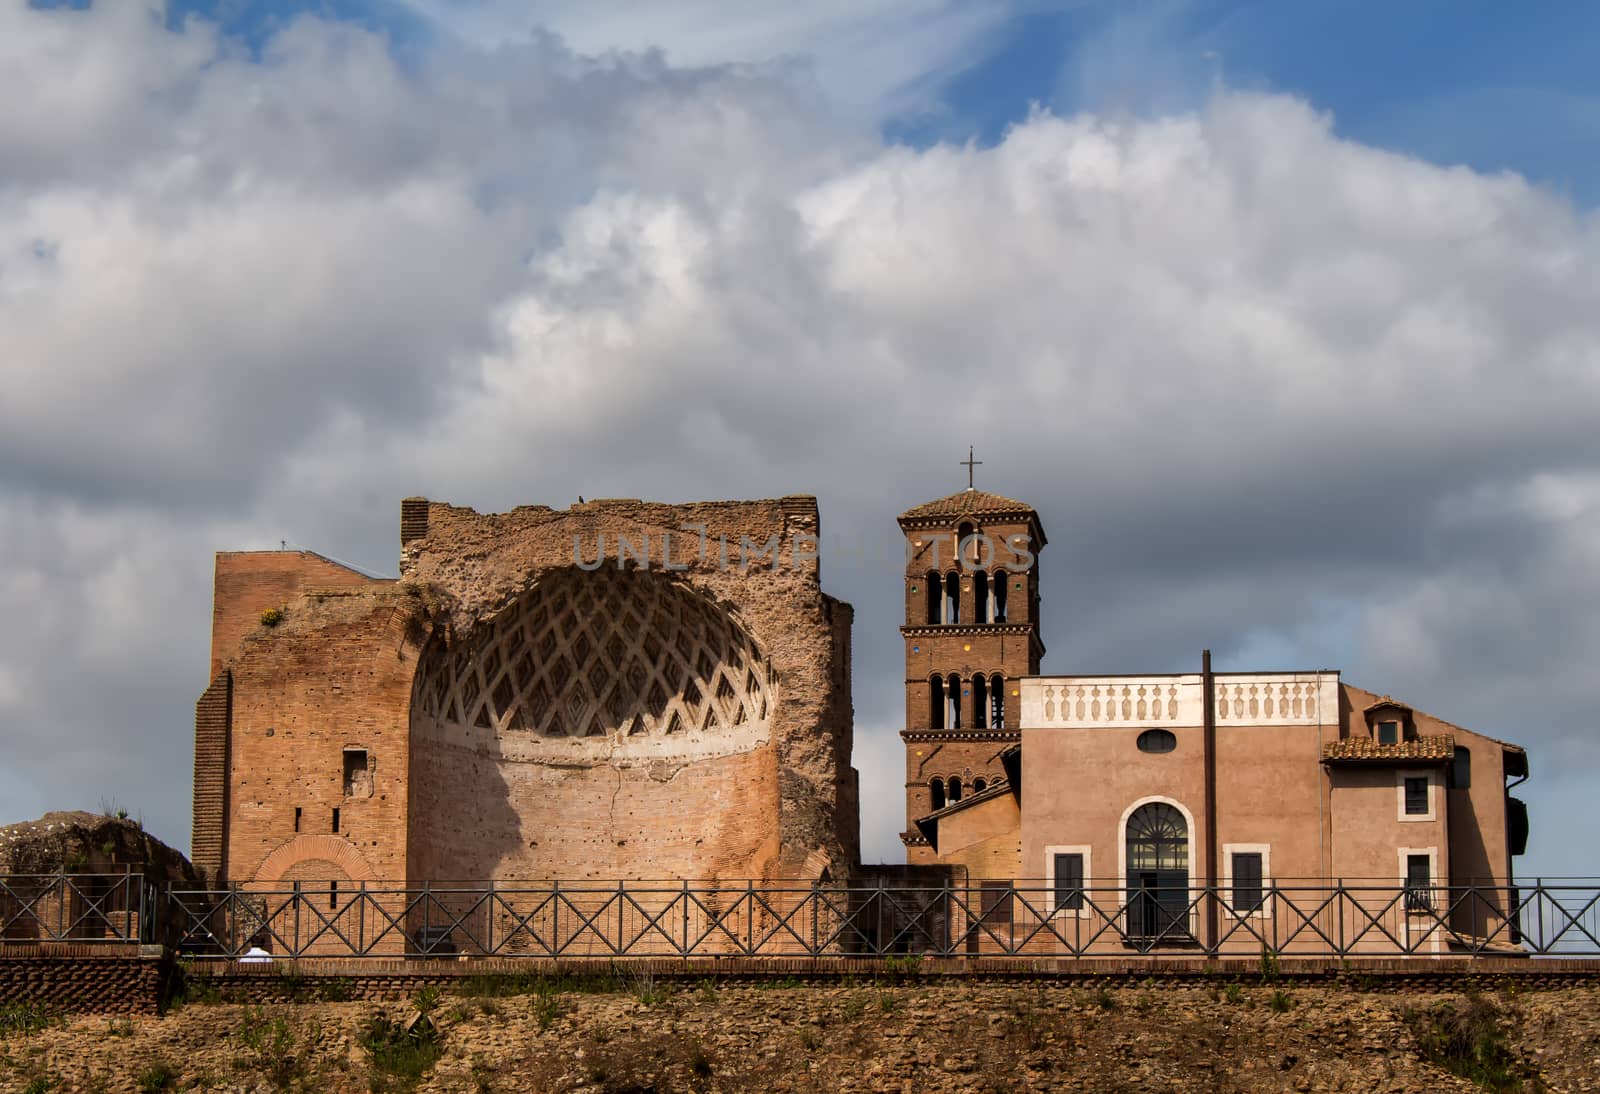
1348 918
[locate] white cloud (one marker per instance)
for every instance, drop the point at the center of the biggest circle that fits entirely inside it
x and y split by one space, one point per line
1270 390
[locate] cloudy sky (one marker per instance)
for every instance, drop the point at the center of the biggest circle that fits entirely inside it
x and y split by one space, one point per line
1285 317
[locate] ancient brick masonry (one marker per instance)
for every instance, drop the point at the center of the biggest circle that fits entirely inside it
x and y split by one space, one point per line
617 690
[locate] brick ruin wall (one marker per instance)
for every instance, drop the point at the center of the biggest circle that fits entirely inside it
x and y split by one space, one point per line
697 726
335 675
641 722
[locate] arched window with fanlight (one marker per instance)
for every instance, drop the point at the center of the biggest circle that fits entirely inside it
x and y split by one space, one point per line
1157 849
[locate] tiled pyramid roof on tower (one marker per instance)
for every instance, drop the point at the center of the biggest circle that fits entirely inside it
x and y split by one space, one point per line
967 503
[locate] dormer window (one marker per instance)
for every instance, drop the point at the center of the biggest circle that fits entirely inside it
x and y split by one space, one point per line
1389 722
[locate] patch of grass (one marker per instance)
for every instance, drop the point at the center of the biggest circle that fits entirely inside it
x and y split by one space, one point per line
887 1002
400 1057
897 967
272 617
41 1084
158 1076
1233 993
1469 1037
184 987
337 989
273 1045
1281 1002
1105 998
426 1000
546 1008
1269 966
26 1017
708 990
645 988
119 1027
855 1006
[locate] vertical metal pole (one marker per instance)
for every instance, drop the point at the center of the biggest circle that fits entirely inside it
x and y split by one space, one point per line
1344 946
683 951
1208 702
555 916
816 911
749 917
488 920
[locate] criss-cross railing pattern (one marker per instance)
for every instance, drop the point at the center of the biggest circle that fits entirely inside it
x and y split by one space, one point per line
680 919
65 907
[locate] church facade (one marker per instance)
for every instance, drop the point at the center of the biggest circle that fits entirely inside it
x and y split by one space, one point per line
1115 800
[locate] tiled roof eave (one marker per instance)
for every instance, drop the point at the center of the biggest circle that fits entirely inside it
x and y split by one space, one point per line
1433 749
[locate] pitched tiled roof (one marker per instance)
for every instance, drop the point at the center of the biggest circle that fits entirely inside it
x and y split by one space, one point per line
929 825
967 503
1441 746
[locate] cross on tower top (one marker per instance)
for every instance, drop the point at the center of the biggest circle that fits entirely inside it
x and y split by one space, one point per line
969 463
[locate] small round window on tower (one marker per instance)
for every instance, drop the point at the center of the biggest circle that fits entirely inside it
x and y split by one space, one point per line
1157 740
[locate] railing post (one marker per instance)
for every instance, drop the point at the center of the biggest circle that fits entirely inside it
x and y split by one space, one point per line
361 920
683 950
816 911
1344 946
622 928
555 917
488 921
749 917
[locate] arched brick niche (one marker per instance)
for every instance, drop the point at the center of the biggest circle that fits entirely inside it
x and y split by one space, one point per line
321 858
607 664
601 724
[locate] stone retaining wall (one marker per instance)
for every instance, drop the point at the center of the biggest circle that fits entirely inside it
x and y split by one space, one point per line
335 980
134 979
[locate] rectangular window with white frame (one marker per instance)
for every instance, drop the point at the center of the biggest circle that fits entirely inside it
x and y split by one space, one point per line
1416 797
1247 878
1420 883
1067 868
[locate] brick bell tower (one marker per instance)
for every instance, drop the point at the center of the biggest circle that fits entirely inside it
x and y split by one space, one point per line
971 630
